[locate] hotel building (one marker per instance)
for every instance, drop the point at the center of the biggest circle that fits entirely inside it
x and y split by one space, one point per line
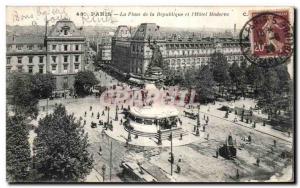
60 52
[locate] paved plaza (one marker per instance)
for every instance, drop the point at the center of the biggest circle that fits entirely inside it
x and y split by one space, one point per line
195 155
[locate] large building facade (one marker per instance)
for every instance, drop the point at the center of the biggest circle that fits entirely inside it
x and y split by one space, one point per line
131 53
104 50
60 52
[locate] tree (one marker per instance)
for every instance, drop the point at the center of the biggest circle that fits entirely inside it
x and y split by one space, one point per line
84 80
237 75
189 79
269 91
21 95
205 85
219 66
43 85
18 160
284 78
255 77
61 148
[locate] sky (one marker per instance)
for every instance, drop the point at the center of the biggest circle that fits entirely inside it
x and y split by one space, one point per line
189 17
183 17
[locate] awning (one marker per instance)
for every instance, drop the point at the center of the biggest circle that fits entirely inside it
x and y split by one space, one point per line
134 80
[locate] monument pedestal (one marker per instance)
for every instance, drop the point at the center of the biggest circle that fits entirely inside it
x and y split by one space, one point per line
154 75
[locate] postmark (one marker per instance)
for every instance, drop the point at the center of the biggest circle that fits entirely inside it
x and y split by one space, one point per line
267 38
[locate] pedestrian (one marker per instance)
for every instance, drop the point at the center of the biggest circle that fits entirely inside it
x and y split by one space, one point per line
98 115
91 108
180 136
84 122
178 169
257 161
237 174
249 138
103 113
100 151
85 114
274 141
92 114
179 159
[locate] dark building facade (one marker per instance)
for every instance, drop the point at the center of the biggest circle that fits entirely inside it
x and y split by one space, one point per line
131 53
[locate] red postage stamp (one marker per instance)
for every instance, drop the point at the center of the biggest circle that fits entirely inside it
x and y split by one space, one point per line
271 34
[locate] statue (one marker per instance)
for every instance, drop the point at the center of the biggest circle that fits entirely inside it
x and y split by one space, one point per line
156 59
154 71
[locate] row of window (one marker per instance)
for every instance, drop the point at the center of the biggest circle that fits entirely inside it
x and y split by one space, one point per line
65 67
204 59
20 59
23 47
40 47
41 68
172 61
66 58
199 51
197 45
65 47
41 59
188 66
30 69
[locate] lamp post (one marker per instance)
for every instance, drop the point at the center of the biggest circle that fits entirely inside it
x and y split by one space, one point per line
108 108
47 106
116 118
172 157
198 122
132 97
110 161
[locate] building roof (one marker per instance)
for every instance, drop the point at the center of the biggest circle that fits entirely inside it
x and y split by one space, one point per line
147 31
24 39
122 32
57 29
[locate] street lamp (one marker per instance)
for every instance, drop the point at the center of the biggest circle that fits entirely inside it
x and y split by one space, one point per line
116 118
198 122
172 156
108 108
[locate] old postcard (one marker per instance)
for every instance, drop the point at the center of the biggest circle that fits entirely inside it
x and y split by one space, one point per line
166 94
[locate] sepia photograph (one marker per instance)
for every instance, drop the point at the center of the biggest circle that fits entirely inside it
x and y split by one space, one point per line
150 94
